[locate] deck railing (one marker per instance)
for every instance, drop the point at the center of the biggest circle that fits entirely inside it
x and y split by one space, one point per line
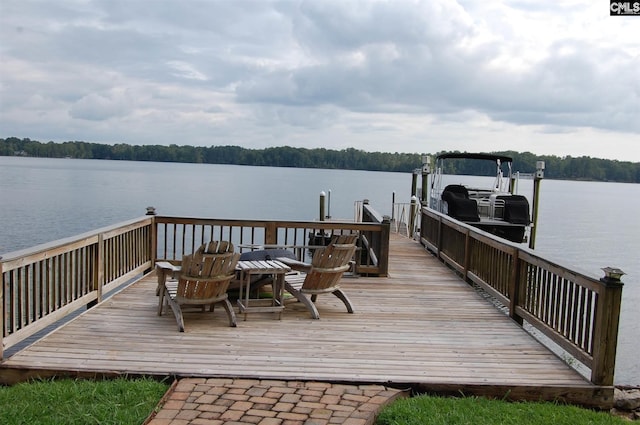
405 218
179 235
577 312
44 284
375 244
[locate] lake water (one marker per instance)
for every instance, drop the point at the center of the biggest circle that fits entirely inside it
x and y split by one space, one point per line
583 225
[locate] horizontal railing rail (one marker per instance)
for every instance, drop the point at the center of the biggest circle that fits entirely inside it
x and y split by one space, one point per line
577 312
44 284
182 235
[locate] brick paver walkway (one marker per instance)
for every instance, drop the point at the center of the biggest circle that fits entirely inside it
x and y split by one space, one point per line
265 402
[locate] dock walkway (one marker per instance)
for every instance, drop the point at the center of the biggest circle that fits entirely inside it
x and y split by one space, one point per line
421 328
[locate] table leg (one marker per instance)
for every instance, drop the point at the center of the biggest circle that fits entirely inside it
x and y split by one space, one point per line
247 294
278 292
277 297
161 273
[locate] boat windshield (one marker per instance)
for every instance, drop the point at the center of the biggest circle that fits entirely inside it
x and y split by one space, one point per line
490 172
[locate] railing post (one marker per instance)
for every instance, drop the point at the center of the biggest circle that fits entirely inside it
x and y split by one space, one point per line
414 182
514 287
426 170
322 213
383 259
467 255
101 263
153 230
605 338
271 233
151 243
393 206
536 194
439 238
153 237
412 216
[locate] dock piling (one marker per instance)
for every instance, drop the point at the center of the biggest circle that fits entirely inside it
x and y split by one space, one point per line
322 205
536 194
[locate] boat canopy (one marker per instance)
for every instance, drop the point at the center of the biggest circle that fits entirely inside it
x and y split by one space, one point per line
487 156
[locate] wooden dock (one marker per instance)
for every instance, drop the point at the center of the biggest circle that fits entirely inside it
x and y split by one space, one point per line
421 327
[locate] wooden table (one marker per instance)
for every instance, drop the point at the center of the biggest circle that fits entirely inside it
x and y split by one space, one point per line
277 270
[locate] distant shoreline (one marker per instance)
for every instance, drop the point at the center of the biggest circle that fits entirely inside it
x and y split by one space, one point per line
566 168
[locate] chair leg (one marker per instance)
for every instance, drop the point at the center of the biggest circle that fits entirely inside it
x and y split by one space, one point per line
232 315
161 294
161 274
177 311
310 305
343 297
303 299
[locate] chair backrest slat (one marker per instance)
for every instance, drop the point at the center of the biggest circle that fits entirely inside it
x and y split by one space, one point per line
207 272
330 263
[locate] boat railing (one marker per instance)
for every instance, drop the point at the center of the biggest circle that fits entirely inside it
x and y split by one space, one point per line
485 208
49 282
497 208
577 312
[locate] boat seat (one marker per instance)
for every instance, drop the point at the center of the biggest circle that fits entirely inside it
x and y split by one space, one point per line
516 209
459 206
457 189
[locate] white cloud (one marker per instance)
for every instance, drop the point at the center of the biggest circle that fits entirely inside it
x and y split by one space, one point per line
102 106
551 77
186 70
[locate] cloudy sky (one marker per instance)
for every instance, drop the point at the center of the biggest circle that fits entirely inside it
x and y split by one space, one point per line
545 76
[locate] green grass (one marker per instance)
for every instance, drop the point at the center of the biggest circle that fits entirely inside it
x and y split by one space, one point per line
68 401
427 410
129 401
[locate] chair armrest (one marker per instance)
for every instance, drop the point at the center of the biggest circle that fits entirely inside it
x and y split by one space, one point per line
163 270
167 266
295 264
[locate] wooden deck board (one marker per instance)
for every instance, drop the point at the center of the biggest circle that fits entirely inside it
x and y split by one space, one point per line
420 326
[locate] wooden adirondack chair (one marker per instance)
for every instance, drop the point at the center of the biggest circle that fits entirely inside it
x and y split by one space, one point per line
204 278
324 273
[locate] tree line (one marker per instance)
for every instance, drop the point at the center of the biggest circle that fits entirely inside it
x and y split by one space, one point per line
568 168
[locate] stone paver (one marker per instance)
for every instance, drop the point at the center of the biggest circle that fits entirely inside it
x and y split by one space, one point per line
248 401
